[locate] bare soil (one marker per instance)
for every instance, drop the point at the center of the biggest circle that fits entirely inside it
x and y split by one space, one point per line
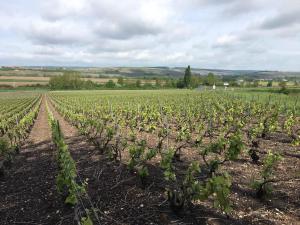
44 79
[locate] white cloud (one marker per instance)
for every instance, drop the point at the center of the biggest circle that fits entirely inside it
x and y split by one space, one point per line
226 39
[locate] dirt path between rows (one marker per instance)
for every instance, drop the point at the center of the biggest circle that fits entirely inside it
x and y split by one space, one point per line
28 192
79 147
41 131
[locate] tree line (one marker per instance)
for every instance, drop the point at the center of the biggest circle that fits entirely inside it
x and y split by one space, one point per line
71 80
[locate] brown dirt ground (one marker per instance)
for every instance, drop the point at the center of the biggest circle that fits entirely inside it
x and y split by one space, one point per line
25 78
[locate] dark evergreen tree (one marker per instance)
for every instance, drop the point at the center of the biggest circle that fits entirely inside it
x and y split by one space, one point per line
187 77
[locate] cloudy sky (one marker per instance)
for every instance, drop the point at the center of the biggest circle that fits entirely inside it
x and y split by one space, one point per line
228 34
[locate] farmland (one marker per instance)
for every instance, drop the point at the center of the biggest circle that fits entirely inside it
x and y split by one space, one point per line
149 157
40 76
22 77
21 81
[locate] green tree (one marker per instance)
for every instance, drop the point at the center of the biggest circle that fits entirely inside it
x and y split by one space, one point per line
157 82
210 79
233 83
110 84
187 77
121 81
256 83
270 83
89 84
195 81
69 80
180 83
283 88
147 86
138 83
170 83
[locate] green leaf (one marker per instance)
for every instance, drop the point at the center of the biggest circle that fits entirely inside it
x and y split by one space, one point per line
86 221
71 199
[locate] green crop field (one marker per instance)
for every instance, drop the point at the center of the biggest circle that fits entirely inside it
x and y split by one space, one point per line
150 152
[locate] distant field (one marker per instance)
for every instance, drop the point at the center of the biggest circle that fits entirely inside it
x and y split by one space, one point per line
20 84
94 72
17 81
275 83
141 72
24 78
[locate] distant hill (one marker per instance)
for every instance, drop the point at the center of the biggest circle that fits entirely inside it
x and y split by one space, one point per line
144 72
